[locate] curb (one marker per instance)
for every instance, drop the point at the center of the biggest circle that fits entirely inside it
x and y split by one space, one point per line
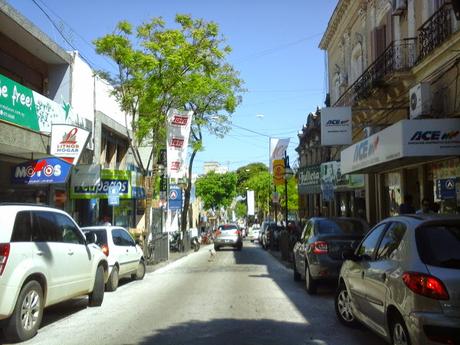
153 267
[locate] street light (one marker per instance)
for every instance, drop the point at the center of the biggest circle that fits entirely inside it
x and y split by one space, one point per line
287 175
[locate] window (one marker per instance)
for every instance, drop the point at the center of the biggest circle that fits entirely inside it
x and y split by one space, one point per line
391 240
46 228
22 230
439 245
341 227
117 237
307 231
101 236
368 246
70 233
127 239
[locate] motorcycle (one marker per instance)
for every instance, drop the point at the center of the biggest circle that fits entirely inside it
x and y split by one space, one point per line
196 243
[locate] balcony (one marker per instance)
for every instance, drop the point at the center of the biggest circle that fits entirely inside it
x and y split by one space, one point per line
436 30
399 56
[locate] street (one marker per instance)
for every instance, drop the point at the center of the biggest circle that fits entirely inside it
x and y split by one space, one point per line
245 297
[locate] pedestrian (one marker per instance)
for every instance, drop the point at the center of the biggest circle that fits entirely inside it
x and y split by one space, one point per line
406 207
106 221
425 207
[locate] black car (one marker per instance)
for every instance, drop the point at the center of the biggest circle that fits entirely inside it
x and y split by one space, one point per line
318 253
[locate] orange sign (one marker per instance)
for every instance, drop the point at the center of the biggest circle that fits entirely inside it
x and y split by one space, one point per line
278 172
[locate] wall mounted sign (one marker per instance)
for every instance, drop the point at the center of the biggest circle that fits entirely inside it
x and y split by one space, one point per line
42 171
120 178
68 142
336 126
175 198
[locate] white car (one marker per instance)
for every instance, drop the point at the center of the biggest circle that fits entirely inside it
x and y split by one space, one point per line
126 258
44 259
254 233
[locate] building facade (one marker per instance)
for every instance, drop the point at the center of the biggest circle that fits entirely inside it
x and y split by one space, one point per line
396 65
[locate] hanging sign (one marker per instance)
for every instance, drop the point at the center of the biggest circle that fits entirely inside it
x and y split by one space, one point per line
178 128
68 142
42 171
278 172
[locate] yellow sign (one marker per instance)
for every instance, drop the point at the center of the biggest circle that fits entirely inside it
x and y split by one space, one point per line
278 172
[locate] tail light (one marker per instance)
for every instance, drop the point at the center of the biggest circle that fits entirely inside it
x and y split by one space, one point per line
105 249
319 247
4 254
425 285
237 232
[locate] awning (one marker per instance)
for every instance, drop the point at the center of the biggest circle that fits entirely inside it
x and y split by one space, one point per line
405 143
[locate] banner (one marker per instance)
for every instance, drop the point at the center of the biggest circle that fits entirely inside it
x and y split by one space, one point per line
250 202
278 172
27 108
68 142
336 126
277 149
178 134
41 171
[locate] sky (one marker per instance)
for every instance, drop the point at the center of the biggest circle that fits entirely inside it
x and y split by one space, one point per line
274 47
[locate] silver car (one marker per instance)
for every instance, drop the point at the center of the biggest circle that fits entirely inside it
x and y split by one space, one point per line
403 281
228 235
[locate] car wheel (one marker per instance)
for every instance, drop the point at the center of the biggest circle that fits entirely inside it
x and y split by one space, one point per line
310 283
296 274
343 307
399 333
97 295
140 273
27 315
112 283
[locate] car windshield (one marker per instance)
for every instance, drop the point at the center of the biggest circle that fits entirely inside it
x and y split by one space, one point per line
341 227
439 245
227 227
101 236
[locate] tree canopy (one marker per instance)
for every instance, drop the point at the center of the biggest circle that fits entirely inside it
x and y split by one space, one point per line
216 190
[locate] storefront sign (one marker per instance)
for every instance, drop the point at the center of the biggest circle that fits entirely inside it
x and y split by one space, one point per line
309 179
42 171
446 188
175 198
27 108
178 132
86 175
336 126
68 142
332 180
407 138
119 178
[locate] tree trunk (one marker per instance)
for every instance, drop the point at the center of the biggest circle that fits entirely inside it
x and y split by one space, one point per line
187 192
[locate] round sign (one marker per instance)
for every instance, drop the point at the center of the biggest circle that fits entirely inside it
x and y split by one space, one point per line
173 195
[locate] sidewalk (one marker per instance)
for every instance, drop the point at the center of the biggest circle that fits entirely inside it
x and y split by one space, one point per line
173 256
277 255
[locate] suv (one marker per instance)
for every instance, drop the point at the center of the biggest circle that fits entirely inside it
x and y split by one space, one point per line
403 281
125 257
44 259
228 235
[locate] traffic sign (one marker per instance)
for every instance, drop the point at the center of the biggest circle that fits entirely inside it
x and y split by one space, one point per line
114 195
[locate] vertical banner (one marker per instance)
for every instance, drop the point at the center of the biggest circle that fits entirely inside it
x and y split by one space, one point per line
278 172
178 134
250 201
277 149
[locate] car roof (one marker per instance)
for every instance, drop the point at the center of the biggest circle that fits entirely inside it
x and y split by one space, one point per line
421 218
29 206
99 227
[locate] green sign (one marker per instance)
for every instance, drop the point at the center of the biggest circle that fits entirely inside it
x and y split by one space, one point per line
27 108
109 179
17 104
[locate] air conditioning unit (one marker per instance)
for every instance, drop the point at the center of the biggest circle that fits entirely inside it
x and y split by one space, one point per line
399 6
420 100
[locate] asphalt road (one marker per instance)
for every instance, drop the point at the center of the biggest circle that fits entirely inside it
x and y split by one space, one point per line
245 297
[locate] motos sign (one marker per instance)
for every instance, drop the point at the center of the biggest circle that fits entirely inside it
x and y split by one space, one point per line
42 171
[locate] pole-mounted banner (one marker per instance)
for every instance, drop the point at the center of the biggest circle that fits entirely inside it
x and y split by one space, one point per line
179 124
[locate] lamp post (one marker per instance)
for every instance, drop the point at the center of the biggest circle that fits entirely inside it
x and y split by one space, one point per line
287 175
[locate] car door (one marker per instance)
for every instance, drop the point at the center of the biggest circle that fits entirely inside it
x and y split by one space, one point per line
300 248
51 255
132 259
355 270
119 251
79 258
379 271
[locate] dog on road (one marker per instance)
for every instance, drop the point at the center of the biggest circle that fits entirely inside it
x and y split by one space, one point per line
212 254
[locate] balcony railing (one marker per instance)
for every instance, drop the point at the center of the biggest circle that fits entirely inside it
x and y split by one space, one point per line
435 31
399 56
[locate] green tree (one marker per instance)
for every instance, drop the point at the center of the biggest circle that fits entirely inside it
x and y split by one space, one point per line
260 183
241 209
244 173
216 190
159 69
293 196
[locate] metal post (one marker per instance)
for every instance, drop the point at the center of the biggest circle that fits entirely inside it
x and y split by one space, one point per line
286 167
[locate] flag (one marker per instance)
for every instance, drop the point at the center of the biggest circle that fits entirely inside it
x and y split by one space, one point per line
277 149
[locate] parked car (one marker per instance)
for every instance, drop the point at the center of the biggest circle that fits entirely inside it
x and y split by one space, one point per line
403 281
272 236
125 257
228 235
254 233
318 253
263 233
44 259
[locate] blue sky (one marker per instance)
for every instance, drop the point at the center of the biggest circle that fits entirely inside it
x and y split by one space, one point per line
275 48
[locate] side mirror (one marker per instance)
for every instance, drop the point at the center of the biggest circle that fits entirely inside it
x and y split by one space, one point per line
90 237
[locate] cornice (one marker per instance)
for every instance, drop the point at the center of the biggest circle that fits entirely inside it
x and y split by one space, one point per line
334 22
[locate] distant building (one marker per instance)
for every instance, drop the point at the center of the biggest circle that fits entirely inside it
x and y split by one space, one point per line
214 166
